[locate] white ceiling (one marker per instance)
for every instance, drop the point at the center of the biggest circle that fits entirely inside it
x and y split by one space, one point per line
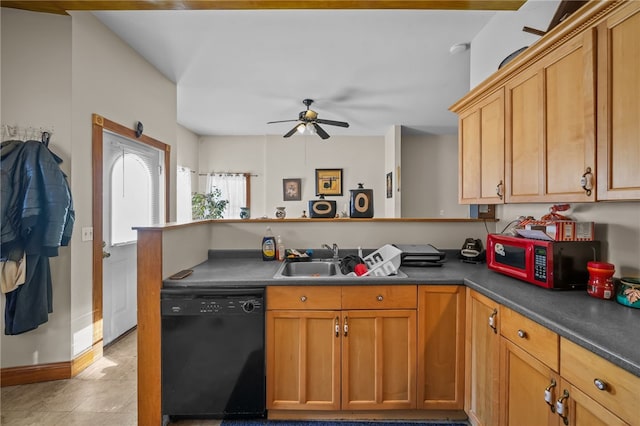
236 70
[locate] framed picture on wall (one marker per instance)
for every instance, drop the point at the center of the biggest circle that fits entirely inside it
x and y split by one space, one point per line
291 189
329 182
390 185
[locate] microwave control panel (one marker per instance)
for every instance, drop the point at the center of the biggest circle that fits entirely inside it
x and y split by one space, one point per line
540 263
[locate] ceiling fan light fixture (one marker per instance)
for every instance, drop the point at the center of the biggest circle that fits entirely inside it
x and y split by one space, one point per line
301 128
309 129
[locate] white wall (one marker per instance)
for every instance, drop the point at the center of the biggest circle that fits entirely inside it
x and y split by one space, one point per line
36 87
618 224
110 79
393 164
187 153
273 158
430 177
503 35
57 71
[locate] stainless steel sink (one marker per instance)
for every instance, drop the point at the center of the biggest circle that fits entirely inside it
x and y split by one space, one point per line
321 268
310 269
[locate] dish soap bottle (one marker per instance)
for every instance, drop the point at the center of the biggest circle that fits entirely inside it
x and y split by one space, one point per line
268 245
280 248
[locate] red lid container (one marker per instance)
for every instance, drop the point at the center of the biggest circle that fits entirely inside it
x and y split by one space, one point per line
600 283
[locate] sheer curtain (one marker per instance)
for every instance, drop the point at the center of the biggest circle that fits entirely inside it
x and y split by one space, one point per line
233 188
183 194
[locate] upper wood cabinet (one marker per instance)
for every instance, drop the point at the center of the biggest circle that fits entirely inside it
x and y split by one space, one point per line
571 131
619 104
550 126
481 151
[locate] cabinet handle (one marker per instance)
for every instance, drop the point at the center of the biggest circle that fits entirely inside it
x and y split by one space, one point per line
522 334
548 395
561 407
499 190
303 298
379 298
337 327
346 326
586 181
492 321
601 384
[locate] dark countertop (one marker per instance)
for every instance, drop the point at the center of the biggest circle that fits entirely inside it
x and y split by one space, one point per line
604 327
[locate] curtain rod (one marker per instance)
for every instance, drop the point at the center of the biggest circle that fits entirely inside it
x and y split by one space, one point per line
226 173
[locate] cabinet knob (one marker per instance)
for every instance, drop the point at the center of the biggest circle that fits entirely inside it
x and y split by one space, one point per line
499 190
522 334
303 298
600 384
379 298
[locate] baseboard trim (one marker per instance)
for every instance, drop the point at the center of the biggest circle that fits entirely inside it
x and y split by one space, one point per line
23 375
35 373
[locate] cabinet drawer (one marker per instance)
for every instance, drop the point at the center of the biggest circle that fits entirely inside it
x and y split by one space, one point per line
380 297
534 338
303 297
581 367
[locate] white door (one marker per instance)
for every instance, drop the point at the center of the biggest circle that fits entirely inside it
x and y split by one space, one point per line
132 195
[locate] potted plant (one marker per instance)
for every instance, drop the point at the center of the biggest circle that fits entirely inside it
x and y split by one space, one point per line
209 205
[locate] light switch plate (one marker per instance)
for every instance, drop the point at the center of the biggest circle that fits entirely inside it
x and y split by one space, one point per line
87 233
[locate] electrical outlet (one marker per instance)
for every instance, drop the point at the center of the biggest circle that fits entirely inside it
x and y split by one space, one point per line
87 233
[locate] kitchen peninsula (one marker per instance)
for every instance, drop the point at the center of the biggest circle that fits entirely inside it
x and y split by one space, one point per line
573 318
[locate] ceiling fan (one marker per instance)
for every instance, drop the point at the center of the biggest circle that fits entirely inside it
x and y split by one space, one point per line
309 121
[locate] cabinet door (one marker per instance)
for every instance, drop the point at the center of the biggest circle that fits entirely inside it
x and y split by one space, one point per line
481 152
441 313
303 360
619 105
379 360
550 138
524 380
482 360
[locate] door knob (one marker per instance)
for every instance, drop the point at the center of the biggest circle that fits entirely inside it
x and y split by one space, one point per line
105 253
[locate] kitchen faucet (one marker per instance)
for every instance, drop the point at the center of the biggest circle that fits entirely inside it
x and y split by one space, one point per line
336 256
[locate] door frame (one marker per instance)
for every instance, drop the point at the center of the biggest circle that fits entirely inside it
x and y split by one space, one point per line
99 124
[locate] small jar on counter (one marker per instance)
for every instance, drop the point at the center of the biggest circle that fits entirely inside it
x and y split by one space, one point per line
600 283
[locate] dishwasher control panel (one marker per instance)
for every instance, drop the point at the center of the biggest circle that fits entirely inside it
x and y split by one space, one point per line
211 306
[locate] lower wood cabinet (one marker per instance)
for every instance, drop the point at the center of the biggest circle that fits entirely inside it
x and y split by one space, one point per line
441 324
482 360
538 378
529 379
327 357
594 391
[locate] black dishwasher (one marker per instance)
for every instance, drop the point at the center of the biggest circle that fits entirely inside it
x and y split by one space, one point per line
213 353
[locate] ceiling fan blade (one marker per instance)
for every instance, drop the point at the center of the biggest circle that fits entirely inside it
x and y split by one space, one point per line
320 131
332 122
292 131
281 121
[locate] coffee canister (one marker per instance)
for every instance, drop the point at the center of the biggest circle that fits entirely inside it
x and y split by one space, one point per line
600 283
361 202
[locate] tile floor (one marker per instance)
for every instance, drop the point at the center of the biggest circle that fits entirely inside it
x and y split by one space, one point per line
105 394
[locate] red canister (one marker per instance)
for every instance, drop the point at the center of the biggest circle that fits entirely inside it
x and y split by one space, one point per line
600 283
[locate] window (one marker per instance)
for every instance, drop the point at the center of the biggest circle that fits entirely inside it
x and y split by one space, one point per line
233 187
136 189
